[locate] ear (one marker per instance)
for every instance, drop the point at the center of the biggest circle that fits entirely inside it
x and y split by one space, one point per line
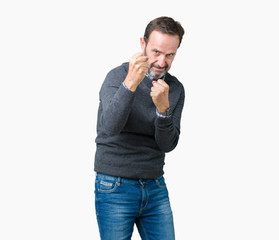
142 43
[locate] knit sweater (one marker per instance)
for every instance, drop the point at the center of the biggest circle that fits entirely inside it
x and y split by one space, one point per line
131 138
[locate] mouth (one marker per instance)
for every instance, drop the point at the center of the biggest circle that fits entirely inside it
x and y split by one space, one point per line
158 69
157 72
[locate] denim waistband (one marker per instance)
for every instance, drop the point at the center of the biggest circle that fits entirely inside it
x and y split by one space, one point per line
102 176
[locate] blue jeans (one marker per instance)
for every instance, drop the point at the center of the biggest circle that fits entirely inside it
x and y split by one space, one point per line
120 203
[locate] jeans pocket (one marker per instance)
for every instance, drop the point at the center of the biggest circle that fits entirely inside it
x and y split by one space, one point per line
160 182
107 186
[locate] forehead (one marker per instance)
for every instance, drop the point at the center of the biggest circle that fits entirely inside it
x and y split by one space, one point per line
163 42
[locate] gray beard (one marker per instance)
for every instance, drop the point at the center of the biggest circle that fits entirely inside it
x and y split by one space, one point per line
153 75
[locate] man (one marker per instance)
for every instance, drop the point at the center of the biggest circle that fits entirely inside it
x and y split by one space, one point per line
138 122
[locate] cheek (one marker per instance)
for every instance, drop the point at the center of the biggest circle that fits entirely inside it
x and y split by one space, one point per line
151 61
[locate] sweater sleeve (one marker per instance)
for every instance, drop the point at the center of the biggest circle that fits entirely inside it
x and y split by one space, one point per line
116 102
167 130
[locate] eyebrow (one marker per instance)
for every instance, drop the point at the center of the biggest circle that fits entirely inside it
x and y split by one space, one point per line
155 49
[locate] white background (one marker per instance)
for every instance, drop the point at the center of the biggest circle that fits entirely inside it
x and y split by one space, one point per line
223 176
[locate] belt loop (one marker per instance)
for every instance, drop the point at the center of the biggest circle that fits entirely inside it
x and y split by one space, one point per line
118 181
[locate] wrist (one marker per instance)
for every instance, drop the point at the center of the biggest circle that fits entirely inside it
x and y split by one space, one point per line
130 85
163 110
163 114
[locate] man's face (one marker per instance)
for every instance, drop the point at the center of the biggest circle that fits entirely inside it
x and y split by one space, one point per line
160 50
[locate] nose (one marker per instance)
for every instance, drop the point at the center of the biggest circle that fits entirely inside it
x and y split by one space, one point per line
162 61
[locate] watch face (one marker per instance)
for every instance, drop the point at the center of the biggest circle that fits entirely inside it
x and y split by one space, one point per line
168 112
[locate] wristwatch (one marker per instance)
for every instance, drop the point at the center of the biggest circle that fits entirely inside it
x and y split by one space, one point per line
168 112
164 115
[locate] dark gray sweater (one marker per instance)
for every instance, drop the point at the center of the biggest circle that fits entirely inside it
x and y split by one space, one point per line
131 138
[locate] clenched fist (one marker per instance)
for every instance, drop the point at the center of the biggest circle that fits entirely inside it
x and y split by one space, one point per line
160 95
138 67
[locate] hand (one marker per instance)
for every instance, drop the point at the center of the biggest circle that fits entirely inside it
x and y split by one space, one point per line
138 67
160 95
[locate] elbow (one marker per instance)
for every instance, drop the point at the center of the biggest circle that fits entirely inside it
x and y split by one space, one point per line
167 150
169 146
111 130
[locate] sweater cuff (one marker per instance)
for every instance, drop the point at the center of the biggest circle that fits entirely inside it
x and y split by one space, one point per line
161 115
123 83
163 122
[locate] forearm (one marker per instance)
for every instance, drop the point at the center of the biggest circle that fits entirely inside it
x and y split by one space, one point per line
116 107
167 129
166 134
